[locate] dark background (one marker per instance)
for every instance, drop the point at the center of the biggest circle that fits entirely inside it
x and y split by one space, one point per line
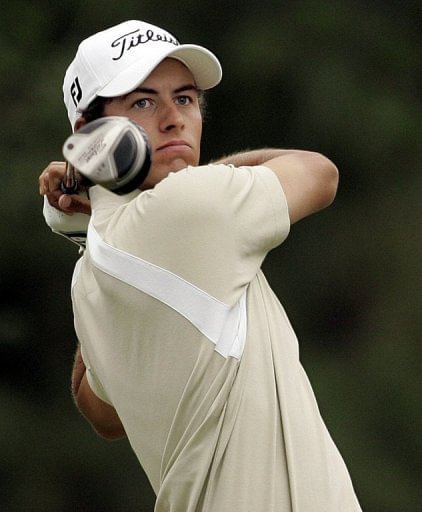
339 77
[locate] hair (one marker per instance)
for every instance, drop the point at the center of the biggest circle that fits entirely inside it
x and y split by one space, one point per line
95 109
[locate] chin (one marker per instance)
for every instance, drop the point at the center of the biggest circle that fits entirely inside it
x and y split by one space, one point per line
175 165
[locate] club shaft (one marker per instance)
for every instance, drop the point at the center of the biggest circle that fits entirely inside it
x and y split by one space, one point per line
69 184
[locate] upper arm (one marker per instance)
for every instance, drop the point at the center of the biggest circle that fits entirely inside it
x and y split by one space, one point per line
309 181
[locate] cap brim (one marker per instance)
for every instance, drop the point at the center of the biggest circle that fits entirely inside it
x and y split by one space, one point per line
203 64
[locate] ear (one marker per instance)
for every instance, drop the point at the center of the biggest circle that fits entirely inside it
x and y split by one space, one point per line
81 121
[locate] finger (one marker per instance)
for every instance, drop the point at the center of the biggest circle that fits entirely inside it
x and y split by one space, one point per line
42 183
54 180
49 180
44 180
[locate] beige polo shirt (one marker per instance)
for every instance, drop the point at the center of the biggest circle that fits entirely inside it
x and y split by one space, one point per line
182 334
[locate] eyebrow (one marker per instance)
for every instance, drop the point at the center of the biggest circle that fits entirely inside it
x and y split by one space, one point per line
147 90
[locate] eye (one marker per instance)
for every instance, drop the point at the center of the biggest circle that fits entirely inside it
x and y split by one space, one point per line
142 104
183 100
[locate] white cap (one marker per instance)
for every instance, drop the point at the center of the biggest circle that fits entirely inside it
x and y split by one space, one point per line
115 61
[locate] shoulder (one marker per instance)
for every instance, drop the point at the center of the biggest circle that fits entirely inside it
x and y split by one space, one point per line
209 184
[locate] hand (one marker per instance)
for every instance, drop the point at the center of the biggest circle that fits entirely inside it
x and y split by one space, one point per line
49 185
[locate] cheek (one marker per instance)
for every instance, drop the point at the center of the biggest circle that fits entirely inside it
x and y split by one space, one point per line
197 127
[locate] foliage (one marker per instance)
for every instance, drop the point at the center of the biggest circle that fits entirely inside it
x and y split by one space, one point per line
340 77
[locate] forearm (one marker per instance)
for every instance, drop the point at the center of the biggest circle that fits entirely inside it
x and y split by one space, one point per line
102 416
309 179
255 156
78 373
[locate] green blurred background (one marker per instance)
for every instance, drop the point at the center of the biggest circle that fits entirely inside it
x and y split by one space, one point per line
341 78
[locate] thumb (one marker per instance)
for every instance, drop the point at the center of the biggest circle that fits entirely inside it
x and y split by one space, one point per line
74 203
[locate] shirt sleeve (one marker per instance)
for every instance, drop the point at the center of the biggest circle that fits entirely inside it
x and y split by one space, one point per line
211 225
260 213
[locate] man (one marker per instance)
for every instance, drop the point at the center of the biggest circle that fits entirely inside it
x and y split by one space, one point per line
183 346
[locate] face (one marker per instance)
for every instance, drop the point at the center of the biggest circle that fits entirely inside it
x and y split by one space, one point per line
166 106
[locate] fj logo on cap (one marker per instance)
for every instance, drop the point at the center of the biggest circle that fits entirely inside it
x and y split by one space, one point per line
132 39
76 91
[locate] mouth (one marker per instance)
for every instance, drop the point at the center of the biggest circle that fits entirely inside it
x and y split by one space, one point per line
174 145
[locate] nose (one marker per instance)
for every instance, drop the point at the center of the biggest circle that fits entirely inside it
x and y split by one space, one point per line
171 118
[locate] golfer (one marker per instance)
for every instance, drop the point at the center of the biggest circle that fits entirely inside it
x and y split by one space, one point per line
183 346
